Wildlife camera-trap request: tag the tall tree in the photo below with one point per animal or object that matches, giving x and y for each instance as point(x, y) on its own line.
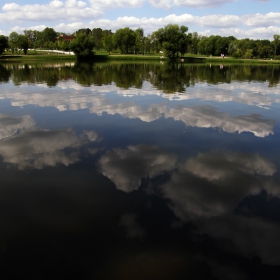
point(13, 39)
point(3, 43)
point(173, 39)
point(276, 42)
point(22, 43)
point(82, 45)
point(124, 39)
point(194, 40)
point(48, 36)
point(107, 37)
point(31, 37)
point(139, 40)
point(97, 35)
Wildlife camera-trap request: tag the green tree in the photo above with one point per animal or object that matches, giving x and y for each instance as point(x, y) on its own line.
point(201, 46)
point(22, 43)
point(139, 40)
point(107, 37)
point(276, 43)
point(86, 31)
point(194, 40)
point(3, 43)
point(124, 39)
point(13, 39)
point(173, 39)
point(97, 35)
point(38, 39)
point(48, 36)
point(31, 37)
point(82, 45)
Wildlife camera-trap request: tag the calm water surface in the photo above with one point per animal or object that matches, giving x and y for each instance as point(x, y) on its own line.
point(139, 171)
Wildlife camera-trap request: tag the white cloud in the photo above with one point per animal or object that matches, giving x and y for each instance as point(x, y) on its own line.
point(130, 110)
point(36, 148)
point(218, 21)
point(264, 20)
point(241, 33)
point(127, 167)
point(113, 4)
point(152, 24)
point(53, 11)
point(202, 3)
point(206, 116)
point(213, 184)
point(10, 125)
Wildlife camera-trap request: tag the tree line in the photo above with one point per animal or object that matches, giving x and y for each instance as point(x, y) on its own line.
point(172, 40)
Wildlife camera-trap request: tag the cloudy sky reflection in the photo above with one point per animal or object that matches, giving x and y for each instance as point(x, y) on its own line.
point(105, 179)
point(36, 148)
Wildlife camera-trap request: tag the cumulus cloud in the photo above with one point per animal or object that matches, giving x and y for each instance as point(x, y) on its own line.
point(213, 184)
point(201, 3)
point(113, 4)
point(217, 21)
point(80, 97)
point(36, 148)
point(73, 9)
point(166, 4)
point(199, 116)
point(254, 94)
point(52, 11)
point(10, 125)
point(151, 24)
point(241, 33)
point(207, 116)
point(127, 167)
point(264, 20)
point(130, 110)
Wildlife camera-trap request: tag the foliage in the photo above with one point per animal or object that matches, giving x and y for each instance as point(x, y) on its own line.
point(22, 43)
point(276, 43)
point(139, 40)
point(3, 43)
point(97, 35)
point(82, 45)
point(173, 39)
point(49, 35)
point(13, 41)
point(124, 39)
point(107, 38)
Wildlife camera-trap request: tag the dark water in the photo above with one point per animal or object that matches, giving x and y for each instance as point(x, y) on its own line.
point(139, 171)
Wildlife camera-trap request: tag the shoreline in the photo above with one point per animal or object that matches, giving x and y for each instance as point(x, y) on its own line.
point(128, 57)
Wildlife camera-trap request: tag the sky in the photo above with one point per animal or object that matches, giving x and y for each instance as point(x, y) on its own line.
point(255, 19)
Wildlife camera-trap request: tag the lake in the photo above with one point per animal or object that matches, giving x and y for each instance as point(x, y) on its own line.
point(139, 171)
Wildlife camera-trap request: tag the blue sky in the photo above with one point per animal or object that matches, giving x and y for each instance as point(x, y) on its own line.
point(256, 19)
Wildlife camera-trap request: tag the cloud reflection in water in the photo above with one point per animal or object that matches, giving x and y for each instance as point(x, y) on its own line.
point(36, 148)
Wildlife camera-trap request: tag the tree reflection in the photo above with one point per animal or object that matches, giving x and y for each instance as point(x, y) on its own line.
point(168, 77)
point(4, 74)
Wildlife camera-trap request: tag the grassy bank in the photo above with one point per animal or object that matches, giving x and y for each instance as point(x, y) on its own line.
point(230, 60)
point(44, 57)
point(103, 56)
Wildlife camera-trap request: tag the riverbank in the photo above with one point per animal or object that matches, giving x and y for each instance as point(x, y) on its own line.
point(52, 56)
